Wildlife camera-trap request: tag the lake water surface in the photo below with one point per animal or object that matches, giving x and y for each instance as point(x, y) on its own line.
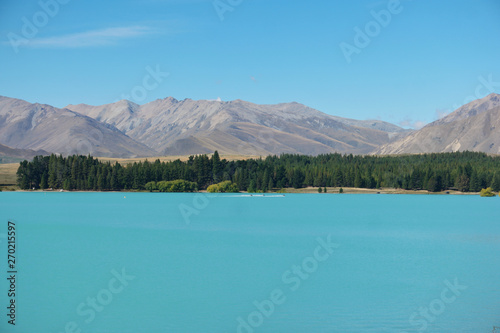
point(153, 262)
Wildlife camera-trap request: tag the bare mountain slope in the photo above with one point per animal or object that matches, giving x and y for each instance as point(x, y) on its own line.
point(474, 127)
point(472, 109)
point(38, 126)
point(238, 127)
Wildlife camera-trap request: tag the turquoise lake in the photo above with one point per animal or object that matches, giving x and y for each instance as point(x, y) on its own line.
point(154, 262)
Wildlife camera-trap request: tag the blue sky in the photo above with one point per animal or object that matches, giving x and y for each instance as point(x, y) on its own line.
point(420, 60)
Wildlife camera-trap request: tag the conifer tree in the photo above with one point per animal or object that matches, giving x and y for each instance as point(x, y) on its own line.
point(43, 182)
point(252, 187)
point(495, 183)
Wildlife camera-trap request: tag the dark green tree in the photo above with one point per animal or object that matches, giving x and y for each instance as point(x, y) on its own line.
point(217, 167)
point(475, 182)
point(252, 187)
point(358, 181)
point(43, 183)
point(67, 184)
point(495, 183)
point(297, 178)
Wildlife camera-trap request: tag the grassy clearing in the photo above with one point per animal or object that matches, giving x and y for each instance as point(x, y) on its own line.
point(125, 161)
point(8, 174)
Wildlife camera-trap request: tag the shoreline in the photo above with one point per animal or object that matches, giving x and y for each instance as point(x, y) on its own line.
point(306, 190)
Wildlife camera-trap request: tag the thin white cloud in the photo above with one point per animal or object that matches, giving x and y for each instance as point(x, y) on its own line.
point(441, 113)
point(102, 37)
point(418, 124)
point(415, 124)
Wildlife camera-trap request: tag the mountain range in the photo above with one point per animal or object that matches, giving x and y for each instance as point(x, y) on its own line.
point(180, 127)
point(173, 127)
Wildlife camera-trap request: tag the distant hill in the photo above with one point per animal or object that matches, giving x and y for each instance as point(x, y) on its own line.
point(474, 127)
point(11, 155)
point(42, 127)
point(174, 127)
